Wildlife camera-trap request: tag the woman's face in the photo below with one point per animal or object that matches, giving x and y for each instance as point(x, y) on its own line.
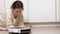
point(17, 11)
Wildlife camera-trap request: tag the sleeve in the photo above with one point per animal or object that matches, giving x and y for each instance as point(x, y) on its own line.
point(2, 21)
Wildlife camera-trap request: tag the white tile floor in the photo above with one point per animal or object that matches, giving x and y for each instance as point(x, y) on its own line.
point(41, 30)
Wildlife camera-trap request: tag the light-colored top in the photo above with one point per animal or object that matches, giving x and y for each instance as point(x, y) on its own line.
point(9, 20)
point(19, 21)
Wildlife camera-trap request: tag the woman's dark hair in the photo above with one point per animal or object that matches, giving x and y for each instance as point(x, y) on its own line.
point(17, 4)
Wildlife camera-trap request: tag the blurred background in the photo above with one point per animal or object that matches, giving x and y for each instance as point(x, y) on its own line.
point(42, 15)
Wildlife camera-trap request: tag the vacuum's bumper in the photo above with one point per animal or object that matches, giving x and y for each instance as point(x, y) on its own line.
point(24, 30)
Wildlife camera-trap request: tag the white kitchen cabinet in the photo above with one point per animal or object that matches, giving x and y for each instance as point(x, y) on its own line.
point(42, 11)
point(58, 10)
point(35, 10)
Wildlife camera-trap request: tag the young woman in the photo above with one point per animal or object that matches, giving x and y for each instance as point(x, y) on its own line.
point(17, 16)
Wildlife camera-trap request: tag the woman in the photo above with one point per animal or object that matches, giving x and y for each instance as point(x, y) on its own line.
point(17, 16)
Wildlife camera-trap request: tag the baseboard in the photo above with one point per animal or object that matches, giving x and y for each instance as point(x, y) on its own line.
point(43, 24)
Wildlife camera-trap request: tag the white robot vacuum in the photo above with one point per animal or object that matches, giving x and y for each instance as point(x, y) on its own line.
point(19, 30)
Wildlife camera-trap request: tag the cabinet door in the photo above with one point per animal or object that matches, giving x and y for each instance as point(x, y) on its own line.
point(42, 11)
point(58, 10)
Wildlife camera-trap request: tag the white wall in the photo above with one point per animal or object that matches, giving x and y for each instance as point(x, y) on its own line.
point(42, 11)
point(35, 11)
point(2, 12)
point(58, 10)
